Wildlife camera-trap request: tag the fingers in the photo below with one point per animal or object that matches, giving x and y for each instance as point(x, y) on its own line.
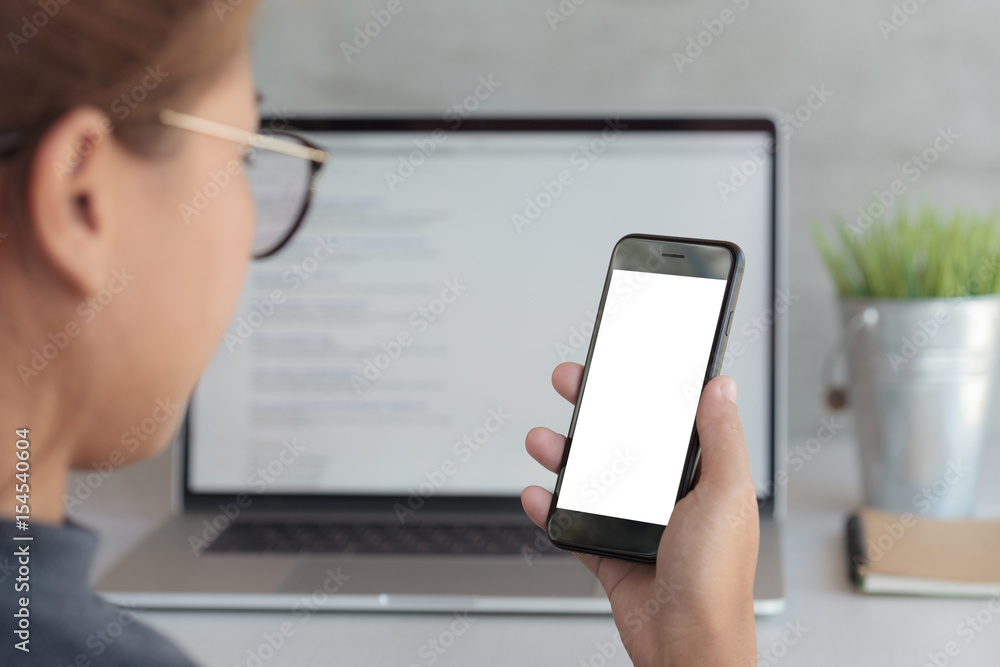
point(546, 446)
point(566, 379)
point(724, 461)
point(536, 502)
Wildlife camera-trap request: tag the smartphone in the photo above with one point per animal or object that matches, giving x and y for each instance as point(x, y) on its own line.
point(632, 447)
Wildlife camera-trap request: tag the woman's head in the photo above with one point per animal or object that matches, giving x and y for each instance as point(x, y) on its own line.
point(113, 297)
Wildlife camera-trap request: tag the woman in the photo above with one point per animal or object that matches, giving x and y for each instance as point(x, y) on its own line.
point(112, 298)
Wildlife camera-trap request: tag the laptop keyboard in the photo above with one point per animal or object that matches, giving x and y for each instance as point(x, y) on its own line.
point(381, 538)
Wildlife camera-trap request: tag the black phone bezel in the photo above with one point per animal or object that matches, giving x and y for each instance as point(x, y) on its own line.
point(626, 539)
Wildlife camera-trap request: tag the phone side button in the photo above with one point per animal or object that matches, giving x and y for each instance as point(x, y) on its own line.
point(730, 325)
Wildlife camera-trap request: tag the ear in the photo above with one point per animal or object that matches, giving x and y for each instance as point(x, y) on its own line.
point(68, 185)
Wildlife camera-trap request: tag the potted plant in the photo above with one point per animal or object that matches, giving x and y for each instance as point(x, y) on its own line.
point(920, 312)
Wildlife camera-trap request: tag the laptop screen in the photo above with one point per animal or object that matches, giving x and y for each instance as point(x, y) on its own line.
point(402, 344)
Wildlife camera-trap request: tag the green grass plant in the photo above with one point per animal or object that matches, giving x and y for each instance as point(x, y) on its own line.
point(926, 254)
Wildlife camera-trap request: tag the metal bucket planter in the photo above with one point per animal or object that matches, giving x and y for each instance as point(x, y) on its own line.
point(921, 379)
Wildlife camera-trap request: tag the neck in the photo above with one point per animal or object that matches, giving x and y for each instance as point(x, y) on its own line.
point(34, 474)
point(40, 404)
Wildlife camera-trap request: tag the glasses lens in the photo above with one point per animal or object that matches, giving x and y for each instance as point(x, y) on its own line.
point(280, 185)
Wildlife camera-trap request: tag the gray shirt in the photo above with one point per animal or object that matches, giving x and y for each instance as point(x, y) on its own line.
point(44, 587)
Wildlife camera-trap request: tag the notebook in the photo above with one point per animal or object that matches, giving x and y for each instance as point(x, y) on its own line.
point(909, 555)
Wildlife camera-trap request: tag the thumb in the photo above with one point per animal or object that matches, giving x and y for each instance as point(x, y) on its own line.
point(724, 461)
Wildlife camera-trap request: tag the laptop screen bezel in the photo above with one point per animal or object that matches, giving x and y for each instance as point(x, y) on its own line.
point(307, 502)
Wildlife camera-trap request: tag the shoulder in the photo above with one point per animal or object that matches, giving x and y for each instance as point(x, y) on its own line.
point(55, 616)
point(82, 629)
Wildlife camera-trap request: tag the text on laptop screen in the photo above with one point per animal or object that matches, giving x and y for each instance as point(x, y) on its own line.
point(403, 342)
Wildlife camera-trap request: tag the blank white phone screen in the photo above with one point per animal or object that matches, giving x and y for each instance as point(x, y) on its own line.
point(643, 385)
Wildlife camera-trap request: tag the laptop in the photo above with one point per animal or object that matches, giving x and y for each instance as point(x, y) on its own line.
point(357, 442)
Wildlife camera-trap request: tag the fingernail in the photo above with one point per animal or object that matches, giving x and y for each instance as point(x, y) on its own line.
point(728, 388)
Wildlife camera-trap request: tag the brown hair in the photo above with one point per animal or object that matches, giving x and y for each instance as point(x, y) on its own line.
point(127, 58)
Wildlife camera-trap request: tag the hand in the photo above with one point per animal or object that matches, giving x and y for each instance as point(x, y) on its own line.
point(695, 605)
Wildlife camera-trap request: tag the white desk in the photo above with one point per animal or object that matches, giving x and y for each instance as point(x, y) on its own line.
point(837, 626)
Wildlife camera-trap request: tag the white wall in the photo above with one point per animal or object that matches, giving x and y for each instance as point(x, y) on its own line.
point(890, 95)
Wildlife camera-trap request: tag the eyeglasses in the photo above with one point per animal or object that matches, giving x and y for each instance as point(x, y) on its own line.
point(281, 168)
point(282, 178)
